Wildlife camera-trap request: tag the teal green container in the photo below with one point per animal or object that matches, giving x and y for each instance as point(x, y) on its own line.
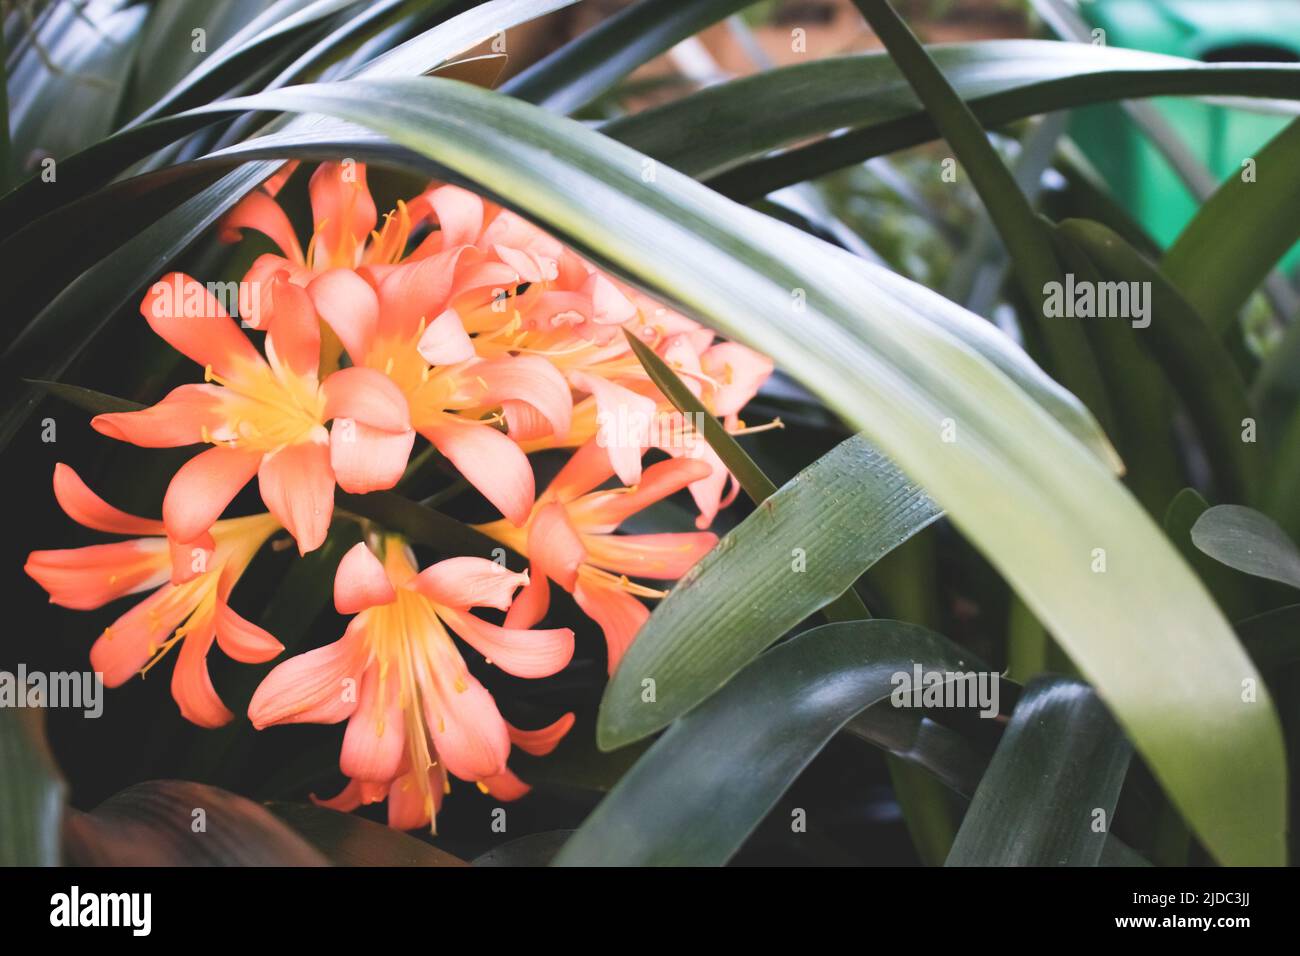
point(1210, 30)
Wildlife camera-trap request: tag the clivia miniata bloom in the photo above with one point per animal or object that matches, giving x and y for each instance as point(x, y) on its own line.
point(263, 417)
point(415, 713)
point(191, 587)
point(569, 539)
point(455, 320)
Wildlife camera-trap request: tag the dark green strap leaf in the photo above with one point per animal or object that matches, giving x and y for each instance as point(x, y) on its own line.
point(536, 849)
point(1240, 233)
point(582, 70)
point(800, 549)
point(711, 778)
point(346, 839)
point(179, 823)
point(1193, 358)
point(31, 788)
point(1049, 795)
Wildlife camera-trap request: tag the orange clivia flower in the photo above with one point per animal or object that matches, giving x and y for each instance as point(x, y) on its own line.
point(415, 713)
point(189, 605)
point(569, 539)
point(264, 417)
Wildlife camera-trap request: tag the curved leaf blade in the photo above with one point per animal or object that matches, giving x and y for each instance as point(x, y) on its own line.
point(1062, 759)
point(31, 791)
point(1238, 235)
point(583, 69)
point(346, 839)
point(705, 784)
point(834, 519)
point(154, 824)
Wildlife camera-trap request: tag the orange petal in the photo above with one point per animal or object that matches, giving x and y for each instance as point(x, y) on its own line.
point(241, 639)
point(506, 786)
point(524, 423)
point(623, 421)
point(191, 684)
point(604, 511)
point(368, 459)
point(361, 582)
point(347, 799)
point(182, 312)
point(373, 743)
point(342, 211)
point(259, 211)
point(349, 306)
point(469, 582)
point(530, 379)
point(179, 419)
point(618, 613)
point(297, 485)
point(407, 806)
point(444, 342)
point(542, 741)
point(530, 653)
point(414, 291)
point(609, 306)
point(318, 687)
point(489, 461)
point(467, 730)
point(127, 644)
point(189, 559)
point(739, 372)
point(460, 215)
point(588, 468)
point(554, 545)
point(531, 603)
point(293, 341)
point(366, 396)
point(90, 577)
point(203, 487)
point(661, 556)
point(88, 509)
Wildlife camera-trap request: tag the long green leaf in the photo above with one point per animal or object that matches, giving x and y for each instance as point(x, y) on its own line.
point(582, 70)
point(31, 790)
point(87, 399)
point(180, 823)
point(536, 849)
point(267, 34)
point(848, 606)
point(1002, 80)
point(68, 82)
point(1240, 233)
point(1023, 233)
point(1170, 670)
point(801, 549)
point(1048, 798)
point(349, 840)
point(706, 783)
point(1193, 358)
point(422, 525)
point(756, 484)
